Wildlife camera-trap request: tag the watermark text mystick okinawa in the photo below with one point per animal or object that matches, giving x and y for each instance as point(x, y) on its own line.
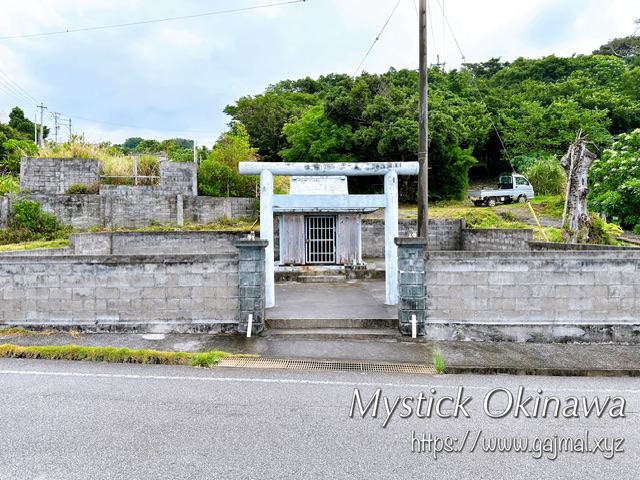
point(498, 402)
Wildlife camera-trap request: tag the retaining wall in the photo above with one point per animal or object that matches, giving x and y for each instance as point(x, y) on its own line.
point(145, 243)
point(534, 296)
point(131, 210)
point(444, 234)
point(56, 175)
point(163, 293)
point(492, 239)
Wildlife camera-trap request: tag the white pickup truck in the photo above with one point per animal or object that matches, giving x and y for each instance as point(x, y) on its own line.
point(511, 188)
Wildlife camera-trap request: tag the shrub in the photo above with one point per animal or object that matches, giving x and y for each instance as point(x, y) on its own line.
point(547, 176)
point(219, 180)
point(615, 182)
point(15, 150)
point(82, 189)
point(9, 184)
point(29, 215)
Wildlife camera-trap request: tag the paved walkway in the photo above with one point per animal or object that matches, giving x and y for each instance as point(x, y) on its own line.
point(357, 299)
point(460, 357)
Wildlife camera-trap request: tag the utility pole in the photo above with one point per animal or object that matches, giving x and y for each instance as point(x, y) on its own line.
point(40, 135)
point(423, 126)
point(56, 127)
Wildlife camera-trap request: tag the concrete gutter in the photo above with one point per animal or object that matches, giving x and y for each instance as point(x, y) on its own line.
point(485, 358)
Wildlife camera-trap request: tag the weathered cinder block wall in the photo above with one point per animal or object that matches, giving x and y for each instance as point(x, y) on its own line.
point(56, 175)
point(143, 293)
point(150, 243)
point(210, 209)
point(444, 234)
point(179, 178)
point(534, 296)
point(492, 239)
point(5, 204)
point(132, 211)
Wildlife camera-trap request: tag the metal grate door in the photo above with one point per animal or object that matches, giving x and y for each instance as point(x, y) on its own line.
point(320, 241)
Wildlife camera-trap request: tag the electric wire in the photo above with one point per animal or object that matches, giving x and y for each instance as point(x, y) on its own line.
point(14, 90)
point(159, 20)
point(101, 122)
point(376, 40)
point(475, 84)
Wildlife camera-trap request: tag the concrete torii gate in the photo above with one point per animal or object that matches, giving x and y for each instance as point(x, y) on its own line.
point(388, 201)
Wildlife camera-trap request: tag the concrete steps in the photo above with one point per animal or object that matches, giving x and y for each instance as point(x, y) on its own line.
point(332, 329)
point(317, 278)
point(377, 334)
point(328, 274)
point(305, 323)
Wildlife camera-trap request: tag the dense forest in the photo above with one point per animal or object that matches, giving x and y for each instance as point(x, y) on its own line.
point(484, 119)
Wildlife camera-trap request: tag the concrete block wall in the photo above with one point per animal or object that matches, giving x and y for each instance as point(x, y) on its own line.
point(179, 178)
point(444, 234)
point(5, 205)
point(492, 239)
point(56, 175)
point(149, 243)
point(141, 293)
point(534, 296)
point(210, 209)
point(252, 278)
point(132, 211)
point(412, 305)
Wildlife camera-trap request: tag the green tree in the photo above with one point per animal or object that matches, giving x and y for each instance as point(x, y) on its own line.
point(149, 146)
point(614, 180)
point(265, 115)
point(130, 144)
point(626, 48)
point(23, 125)
point(314, 138)
point(218, 175)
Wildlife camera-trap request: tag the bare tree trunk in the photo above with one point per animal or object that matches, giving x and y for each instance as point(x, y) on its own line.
point(576, 163)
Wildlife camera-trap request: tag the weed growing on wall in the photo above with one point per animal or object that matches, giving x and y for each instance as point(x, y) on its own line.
point(9, 184)
point(30, 223)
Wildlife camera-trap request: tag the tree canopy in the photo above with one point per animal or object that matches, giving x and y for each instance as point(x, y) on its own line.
point(482, 114)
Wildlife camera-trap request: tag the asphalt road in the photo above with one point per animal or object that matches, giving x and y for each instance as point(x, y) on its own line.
point(74, 420)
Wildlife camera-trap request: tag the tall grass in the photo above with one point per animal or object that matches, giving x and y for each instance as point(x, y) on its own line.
point(547, 176)
point(112, 162)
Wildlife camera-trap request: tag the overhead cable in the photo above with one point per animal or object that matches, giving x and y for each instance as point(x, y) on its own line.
point(144, 22)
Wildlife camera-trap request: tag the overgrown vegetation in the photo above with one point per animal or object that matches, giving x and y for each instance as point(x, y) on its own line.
point(31, 224)
point(82, 189)
point(615, 182)
point(112, 355)
point(544, 172)
point(9, 184)
point(218, 174)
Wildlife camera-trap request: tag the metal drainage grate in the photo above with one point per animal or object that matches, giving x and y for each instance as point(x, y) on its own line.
point(342, 366)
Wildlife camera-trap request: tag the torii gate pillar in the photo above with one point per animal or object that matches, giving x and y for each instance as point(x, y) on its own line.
point(388, 201)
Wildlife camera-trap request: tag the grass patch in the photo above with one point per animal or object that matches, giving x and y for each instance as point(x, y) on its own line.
point(438, 361)
point(112, 355)
point(548, 205)
point(22, 332)
point(59, 243)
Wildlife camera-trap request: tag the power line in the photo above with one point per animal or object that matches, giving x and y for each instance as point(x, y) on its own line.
point(4, 74)
point(145, 22)
point(475, 84)
point(102, 122)
point(377, 38)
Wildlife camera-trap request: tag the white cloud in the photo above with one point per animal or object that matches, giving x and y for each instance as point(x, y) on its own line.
point(176, 77)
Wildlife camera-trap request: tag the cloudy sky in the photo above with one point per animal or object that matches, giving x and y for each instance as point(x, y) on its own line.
point(172, 78)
